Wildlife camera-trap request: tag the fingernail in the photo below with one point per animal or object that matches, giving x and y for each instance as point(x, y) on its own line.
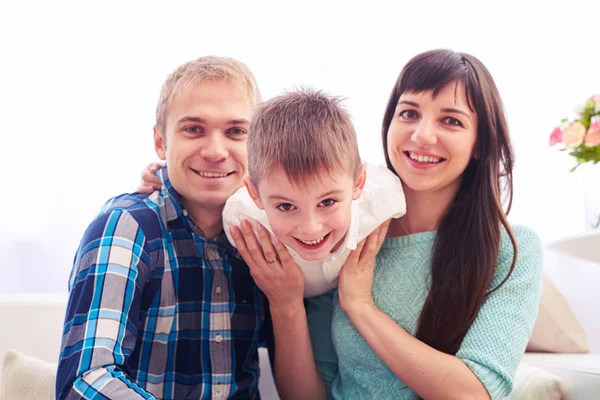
point(232, 230)
point(275, 240)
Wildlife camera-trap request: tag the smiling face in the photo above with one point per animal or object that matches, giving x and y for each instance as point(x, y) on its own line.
point(311, 218)
point(430, 141)
point(204, 142)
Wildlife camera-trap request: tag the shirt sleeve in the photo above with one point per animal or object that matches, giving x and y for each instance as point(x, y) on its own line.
point(320, 315)
point(495, 343)
point(103, 309)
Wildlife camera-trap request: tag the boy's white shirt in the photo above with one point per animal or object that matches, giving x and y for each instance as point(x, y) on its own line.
point(382, 198)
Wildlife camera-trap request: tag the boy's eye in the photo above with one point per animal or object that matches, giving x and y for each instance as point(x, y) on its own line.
point(452, 121)
point(409, 114)
point(285, 207)
point(328, 202)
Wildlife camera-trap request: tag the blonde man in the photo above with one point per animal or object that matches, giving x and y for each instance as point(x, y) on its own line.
point(161, 305)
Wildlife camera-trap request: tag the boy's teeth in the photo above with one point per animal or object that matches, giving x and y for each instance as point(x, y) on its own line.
point(423, 159)
point(312, 242)
point(212, 174)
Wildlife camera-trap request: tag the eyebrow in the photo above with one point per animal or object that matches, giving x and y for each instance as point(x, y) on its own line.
point(199, 120)
point(450, 110)
point(324, 195)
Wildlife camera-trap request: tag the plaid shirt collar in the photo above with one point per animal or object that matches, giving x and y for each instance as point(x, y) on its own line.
point(175, 209)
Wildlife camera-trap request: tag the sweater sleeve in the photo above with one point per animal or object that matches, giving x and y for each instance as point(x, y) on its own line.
point(495, 343)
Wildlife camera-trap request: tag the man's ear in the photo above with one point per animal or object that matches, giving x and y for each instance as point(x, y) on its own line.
point(159, 144)
point(253, 192)
point(359, 185)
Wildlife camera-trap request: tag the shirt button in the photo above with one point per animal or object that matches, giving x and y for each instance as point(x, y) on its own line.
point(218, 290)
point(218, 338)
point(185, 212)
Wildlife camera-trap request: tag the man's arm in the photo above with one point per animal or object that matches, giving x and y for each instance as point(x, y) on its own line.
point(100, 330)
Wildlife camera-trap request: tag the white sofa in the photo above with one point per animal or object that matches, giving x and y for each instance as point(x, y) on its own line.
point(32, 324)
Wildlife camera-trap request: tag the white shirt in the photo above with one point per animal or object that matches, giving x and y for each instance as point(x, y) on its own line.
point(382, 198)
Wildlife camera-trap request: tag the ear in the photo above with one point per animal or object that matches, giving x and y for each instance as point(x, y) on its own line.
point(359, 185)
point(159, 144)
point(476, 154)
point(253, 192)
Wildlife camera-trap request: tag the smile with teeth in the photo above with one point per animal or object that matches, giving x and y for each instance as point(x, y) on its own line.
point(423, 159)
point(312, 242)
point(206, 174)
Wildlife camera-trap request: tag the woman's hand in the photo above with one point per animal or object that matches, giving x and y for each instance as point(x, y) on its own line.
point(272, 268)
point(356, 277)
point(149, 181)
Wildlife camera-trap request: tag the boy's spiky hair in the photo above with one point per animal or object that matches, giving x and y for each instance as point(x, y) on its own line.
point(304, 133)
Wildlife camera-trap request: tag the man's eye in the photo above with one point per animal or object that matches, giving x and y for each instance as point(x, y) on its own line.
point(328, 202)
point(409, 114)
point(236, 131)
point(285, 207)
point(452, 121)
point(193, 129)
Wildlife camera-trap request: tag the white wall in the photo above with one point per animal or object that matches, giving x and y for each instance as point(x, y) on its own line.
point(79, 81)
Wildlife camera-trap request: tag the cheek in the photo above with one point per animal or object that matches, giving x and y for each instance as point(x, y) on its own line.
point(278, 223)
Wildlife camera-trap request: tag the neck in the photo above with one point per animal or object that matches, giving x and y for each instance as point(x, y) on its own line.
point(208, 219)
point(424, 211)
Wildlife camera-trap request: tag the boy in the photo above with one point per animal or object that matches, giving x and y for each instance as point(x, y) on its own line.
point(161, 305)
point(308, 187)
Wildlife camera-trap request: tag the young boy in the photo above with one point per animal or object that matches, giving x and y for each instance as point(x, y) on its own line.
point(308, 187)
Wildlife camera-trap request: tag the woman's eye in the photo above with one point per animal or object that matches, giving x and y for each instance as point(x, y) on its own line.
point(328, 202)
point(285, 207)
point(452, 121)
point(409, 114)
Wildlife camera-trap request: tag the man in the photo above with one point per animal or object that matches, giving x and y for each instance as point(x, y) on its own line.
point(161, 305)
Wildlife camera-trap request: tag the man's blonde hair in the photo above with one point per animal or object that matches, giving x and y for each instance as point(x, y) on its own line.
point(304, 132)
point(208, 68)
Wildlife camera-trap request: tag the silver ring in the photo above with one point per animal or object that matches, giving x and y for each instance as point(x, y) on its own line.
point(272, 261)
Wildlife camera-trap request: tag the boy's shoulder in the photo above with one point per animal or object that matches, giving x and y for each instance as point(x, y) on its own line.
point(381, 180)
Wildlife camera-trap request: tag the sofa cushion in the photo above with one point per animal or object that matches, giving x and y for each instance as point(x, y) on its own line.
point(556, 329)
point(534, 383)
point(27, 378)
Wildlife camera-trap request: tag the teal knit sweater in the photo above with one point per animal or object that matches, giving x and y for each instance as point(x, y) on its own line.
point(492, 348)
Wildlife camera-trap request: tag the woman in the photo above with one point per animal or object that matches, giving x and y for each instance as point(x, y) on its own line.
point(446, 307)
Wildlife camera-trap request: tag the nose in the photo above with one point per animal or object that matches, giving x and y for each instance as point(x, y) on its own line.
point(425, 134)
point(310, 224)
point(214, 149)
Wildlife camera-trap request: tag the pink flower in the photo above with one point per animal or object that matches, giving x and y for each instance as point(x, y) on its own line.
point(556, 136)
point(592, 138)
point(574, 134)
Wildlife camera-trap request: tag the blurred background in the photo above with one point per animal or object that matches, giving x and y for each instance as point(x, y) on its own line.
point(79, 82)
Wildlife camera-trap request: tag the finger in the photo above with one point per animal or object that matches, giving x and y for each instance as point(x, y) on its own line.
point(252, 244)
point(382, 234)
point(352, 259)
point(144, 189)
point(267, 247)
point(283, 255)
point(240, 244)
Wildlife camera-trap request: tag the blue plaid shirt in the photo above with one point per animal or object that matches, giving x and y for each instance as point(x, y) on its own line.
point(158, 311)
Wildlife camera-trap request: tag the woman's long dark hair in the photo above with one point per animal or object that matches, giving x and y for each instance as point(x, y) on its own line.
point(468, 239)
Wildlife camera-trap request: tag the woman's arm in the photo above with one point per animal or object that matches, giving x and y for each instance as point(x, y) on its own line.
point(427, 371)
point(282, 282)
point(493, 346)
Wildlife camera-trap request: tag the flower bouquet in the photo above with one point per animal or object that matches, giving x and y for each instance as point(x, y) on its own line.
point(581, 137)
